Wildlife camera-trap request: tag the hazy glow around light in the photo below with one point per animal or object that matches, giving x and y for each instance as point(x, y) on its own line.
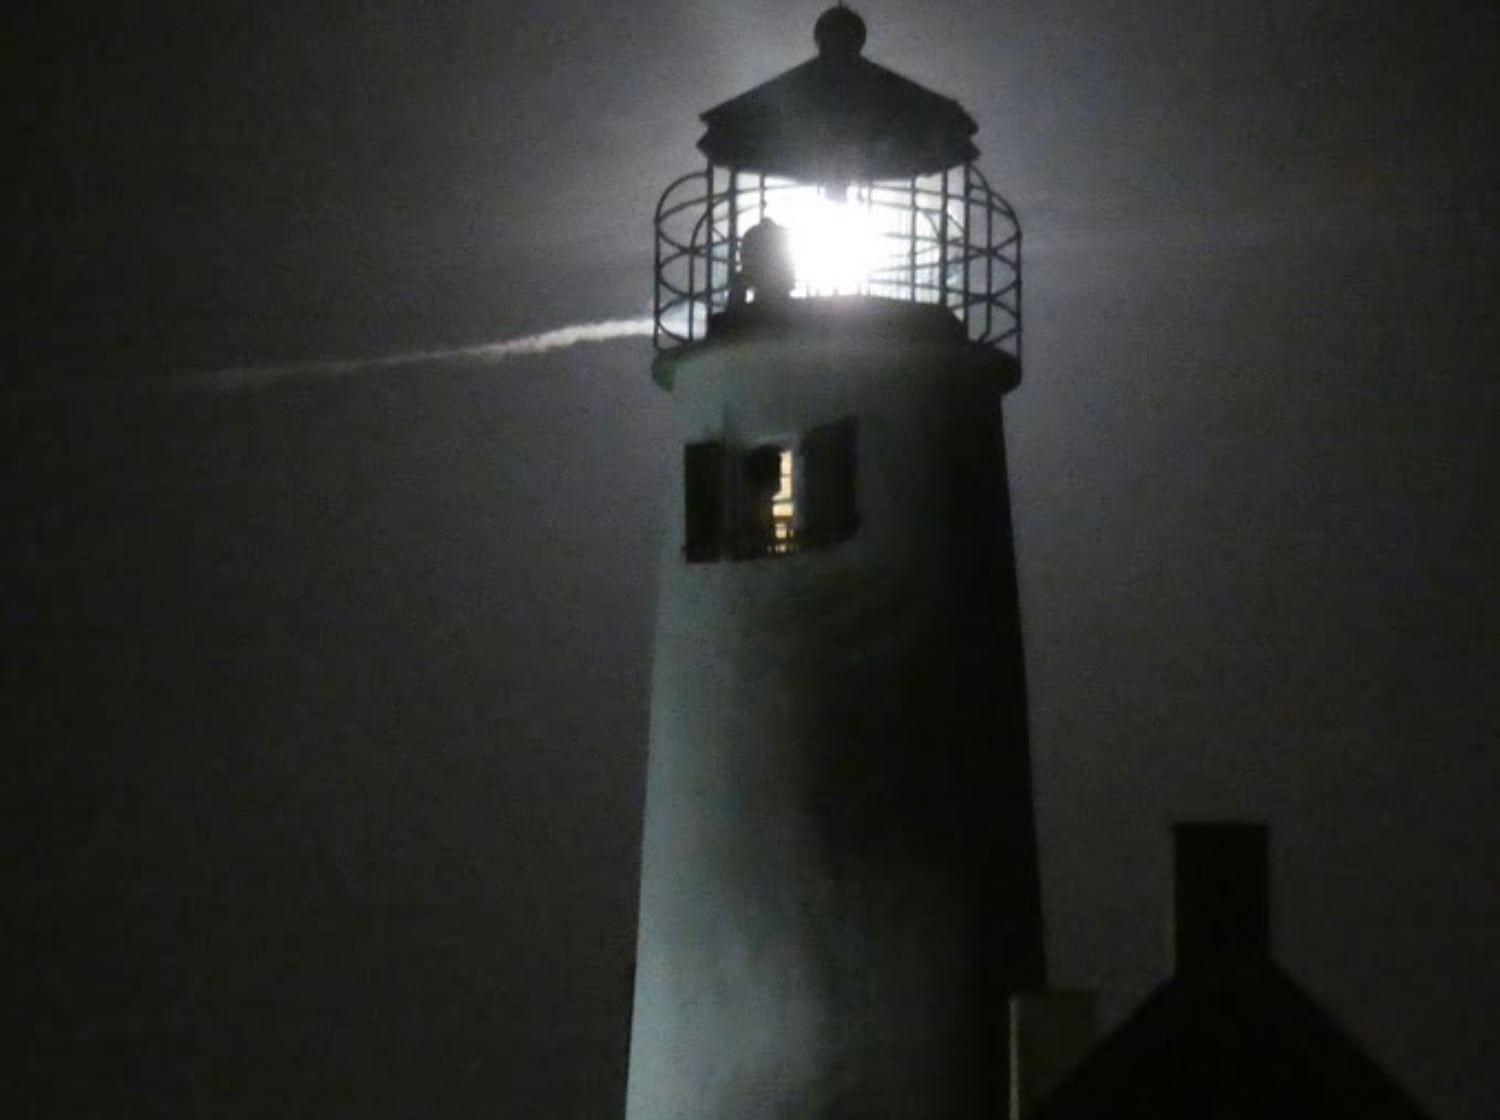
point(835, 244)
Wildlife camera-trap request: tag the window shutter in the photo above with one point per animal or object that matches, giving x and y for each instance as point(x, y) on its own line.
point(703, 500)
point(829, 513)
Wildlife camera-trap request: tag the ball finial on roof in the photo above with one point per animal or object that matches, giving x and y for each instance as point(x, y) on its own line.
point(839, 33)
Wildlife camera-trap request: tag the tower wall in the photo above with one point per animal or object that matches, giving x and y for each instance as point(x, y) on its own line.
point(839, 883)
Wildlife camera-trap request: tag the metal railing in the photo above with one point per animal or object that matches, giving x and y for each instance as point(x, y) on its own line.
point(947, 239)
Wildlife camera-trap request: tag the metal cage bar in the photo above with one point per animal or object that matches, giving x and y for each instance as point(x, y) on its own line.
point(938, 241)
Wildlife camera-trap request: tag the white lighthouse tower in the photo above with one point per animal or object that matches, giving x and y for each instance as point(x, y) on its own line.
point(839, 880)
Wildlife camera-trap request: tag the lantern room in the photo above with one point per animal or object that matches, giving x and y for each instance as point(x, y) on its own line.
point(837, 180)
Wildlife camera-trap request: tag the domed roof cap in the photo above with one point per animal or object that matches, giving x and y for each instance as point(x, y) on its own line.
point(839, 31)
point(839, 117)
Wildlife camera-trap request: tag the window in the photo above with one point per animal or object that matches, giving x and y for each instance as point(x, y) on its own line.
point(768, 503)
point(783, 503)
point(772, 499)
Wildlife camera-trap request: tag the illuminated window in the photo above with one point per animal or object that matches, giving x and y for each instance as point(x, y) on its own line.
point(770, 500)
point(783, 504)
point(767, 522)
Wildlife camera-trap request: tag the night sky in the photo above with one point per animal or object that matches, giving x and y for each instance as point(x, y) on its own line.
point(325, 699)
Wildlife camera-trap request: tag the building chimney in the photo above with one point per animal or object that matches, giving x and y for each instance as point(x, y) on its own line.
point(1050, 1032)
point(1222, 894)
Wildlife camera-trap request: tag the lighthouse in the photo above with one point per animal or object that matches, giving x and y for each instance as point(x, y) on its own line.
point(838, 876)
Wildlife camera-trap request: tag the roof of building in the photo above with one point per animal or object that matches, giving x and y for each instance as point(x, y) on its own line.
point(1230, 1036)
point(839, 117)
point(1233, 1040)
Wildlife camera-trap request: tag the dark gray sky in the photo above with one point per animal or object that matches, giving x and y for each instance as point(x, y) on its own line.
point(325, 702)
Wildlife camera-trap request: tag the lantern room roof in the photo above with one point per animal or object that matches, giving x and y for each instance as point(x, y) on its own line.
point(839, 116)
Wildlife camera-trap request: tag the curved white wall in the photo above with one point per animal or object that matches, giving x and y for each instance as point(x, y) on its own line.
point(839, 881)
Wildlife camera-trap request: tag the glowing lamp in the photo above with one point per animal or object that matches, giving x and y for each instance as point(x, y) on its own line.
point(838, 179)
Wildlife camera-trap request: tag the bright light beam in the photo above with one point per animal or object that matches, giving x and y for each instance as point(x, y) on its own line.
point(254, 377)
